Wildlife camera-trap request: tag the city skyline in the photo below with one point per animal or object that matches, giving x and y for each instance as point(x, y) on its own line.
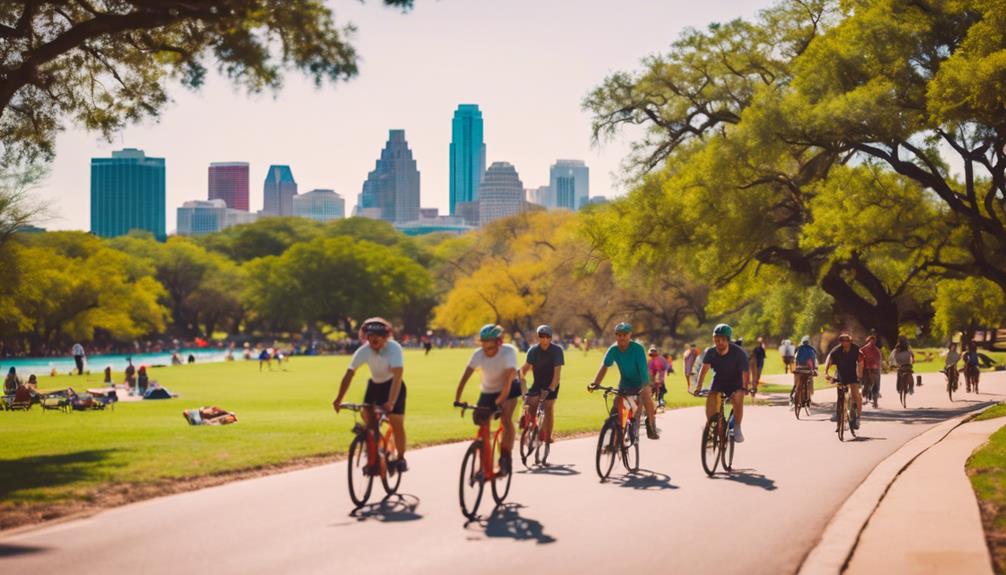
point(529, 93)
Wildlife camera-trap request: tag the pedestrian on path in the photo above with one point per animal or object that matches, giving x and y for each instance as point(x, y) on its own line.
point(78, 357)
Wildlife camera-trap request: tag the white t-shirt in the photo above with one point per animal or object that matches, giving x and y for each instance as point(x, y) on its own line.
point(379, 362)
point(494, 368)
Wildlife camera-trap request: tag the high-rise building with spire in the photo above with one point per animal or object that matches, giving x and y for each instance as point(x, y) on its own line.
point(501, 193)
point(391, 191)
point(278, 192)
point(468, 155)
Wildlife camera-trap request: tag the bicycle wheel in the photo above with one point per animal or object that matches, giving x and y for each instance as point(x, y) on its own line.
point(950, 389)
point(630, 446)
point(472, 480)
point(528, 440)
point(500, 483)
point(728, 447)
point(390, 477)
point(607, 449)
point(840, 409)
point(361, 481)
point(711, 445)
point(852, 417)
point(798, 399)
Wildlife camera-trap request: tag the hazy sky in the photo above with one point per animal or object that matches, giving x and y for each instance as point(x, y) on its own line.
point(526, 63)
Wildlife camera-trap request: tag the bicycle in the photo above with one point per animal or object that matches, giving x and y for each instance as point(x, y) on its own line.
point(905, 383)
point(801, 393)
point(971, 374)
point(480, 462)
point(718, 437)
point(532, 437)
point(370, 452)
point(620, 432)
point(845, 410)
point(953, 379)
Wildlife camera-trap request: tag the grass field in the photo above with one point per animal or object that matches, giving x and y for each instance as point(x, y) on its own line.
point(987, 470)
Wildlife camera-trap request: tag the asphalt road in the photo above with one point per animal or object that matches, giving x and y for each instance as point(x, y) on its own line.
point(789, 478)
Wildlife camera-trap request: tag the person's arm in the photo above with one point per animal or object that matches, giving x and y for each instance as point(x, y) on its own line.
point(555, 378)
point(461, 385)
point(702, 377)
point(827, 366)
point(522, 372)
point(600, 375)
point(343, 387)
point(505, 394)
point(396, 388)
point(859, 367)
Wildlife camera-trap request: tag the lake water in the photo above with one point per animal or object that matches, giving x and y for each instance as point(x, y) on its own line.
point(96, 363)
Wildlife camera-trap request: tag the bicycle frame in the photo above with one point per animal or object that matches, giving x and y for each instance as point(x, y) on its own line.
point(483, 436)
point(371, 432)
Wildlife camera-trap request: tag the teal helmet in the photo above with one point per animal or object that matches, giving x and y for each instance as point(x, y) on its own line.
point(724, 330)
point(490, 331)
point(623, 327)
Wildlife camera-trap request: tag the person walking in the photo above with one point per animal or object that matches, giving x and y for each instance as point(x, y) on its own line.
point(78, 357)
point(757, 363)
point(871, 369)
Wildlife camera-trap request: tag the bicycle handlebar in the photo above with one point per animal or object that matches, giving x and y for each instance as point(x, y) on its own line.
point(465, 406)
point(361, 406)
point(612, 390)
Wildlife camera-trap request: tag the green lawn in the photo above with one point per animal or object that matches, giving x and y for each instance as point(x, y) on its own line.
point(987, 469)
point(283, 416)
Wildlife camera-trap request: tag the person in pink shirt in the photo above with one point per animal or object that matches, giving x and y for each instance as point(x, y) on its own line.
point(658, 369)
point(871, 370)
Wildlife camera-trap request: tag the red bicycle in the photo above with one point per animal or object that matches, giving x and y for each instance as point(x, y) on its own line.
point(481, 462)
point(369, 453)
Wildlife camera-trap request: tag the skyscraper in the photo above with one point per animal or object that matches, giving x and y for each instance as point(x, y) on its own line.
point(199, 217)
point(570, 183)
point(278, 192)
point(393, 186)
point(321, 205)
point(468, 155)
point(228, 181)
point(127, 193)
point(501, 193)
point(542, 196)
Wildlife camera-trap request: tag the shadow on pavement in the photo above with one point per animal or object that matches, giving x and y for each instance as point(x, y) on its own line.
point(15, 550)
point(52, 470)
point(391, 509)
point(748, 477)
point(561, 469)
point(921, 415)
point(644, 480)
point(506, 521)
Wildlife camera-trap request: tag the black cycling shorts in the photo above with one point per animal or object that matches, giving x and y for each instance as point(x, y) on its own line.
point(377, 393)
point(536, 390)
point(727, 389)
point(489, 399)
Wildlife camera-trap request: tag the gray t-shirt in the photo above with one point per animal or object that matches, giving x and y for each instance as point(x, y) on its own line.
point(379, 362)
point(494, 368)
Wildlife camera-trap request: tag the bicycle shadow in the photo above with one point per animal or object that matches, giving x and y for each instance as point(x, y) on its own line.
point(558, 469)
point(748, 477)
point(392, 509)
point(644, 480)
point(505, 521)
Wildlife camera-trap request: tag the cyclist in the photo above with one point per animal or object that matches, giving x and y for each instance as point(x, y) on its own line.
point(499, 386)
point(385, 387)
point(950, 365)
point(545, 359)
point(806, 364)
point(903, 358)
point(658, 372)
point(871, 369)
point(731, 375)
point(631, 359)
point(848, 359)
point(971, 362)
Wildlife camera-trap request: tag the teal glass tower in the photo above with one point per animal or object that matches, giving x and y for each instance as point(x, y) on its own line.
point(127, 193)
point(468, 155)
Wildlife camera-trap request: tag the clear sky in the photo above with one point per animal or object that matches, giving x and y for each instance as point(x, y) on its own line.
point(526, 63)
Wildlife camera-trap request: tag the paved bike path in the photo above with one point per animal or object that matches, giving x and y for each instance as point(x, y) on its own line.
point(790, 478)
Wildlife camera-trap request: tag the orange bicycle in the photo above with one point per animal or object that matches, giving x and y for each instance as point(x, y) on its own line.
point(481, 462)
point(620, 432)
point(369, 453)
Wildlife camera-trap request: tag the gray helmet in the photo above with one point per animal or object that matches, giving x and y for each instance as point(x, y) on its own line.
point(544, 329)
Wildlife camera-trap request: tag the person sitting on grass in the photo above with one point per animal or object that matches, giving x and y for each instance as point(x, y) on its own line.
point(108, 375)
point(130, 376)
point(264, 357)
point(11, 382)
point(142, 380)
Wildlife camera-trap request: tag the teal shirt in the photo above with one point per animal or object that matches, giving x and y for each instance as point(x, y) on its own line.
point(631, 365)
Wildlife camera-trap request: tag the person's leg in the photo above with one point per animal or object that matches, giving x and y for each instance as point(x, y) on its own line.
point(710, 406)
point(857, 397)
point(738, 400)
point(531, 407)
point(506, 420)
point(398, 425)
point(549, 419)
point(651, 409)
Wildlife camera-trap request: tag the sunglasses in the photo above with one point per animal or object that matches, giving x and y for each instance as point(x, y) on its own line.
point(545, 335)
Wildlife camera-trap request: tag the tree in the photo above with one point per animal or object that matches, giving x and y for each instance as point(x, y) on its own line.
point(104, 63)
point(965, 305)
point(267, 237)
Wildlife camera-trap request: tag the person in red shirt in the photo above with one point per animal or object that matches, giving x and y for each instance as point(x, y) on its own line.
point(871, 370)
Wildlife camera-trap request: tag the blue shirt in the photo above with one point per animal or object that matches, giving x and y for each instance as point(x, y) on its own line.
point(804, 353)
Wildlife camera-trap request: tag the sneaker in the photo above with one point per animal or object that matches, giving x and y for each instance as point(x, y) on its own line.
point(738, 436)
point(401, 465)
point(504, 465)
point(651, 430)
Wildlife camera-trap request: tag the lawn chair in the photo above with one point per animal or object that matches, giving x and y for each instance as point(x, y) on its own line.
point(56, 400)
point(22, 399)
point(105, 396)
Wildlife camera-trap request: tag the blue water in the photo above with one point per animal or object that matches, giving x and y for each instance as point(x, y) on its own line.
point(96, 363)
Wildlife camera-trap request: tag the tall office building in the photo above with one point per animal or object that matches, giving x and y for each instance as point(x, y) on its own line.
point(570, 183)
point(228, 181)
point(392, 188)
point(127, 193)
point(321, 205)
point(501, 193)
point(278, 192)
point(468, 155)
point(542, 196)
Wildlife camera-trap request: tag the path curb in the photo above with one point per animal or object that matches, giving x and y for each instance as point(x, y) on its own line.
point(838, 542)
